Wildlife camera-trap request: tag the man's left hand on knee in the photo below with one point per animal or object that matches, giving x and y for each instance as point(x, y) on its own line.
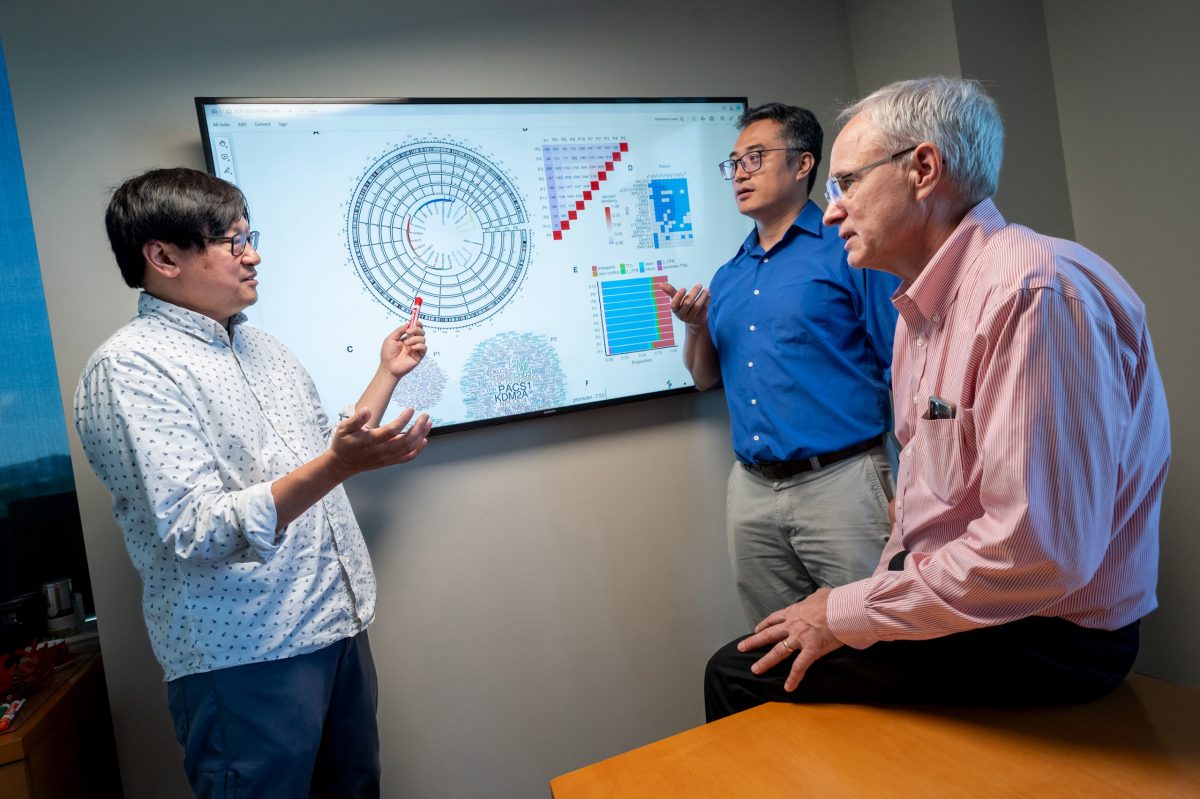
point(801, 629)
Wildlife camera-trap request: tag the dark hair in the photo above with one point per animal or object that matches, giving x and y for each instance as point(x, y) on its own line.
point(801, 130)
point(179, 206)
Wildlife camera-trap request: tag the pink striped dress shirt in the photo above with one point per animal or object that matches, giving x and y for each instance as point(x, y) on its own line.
point(1041, 496)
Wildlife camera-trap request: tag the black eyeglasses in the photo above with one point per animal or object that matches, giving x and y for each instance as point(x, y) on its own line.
point(238, 241)
point(751, 161)
point(837, 185)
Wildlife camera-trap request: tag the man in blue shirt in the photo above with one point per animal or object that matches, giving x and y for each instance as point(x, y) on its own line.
point(801, 342)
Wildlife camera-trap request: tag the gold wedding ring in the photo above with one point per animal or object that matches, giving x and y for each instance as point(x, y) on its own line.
point(787, 646)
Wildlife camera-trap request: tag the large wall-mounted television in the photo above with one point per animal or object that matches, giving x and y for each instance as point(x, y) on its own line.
point(537, 233)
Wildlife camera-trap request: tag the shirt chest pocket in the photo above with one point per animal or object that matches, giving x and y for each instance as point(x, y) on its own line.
point(947, 449)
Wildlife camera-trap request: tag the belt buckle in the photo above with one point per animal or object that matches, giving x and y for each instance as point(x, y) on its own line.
point(778, 471)
point(761, 469)
point(773, 471)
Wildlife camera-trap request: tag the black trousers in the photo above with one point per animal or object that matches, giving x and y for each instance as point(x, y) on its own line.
point(1034, 661)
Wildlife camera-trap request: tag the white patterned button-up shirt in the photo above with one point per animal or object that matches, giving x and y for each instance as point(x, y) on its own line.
point(187, 425)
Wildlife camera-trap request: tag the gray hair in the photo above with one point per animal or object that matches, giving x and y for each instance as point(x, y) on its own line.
point(955, 114)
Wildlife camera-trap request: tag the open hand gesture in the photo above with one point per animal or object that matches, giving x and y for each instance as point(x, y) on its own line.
point(357, 448)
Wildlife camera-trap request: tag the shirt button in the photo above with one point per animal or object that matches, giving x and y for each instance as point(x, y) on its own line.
point(756, 438)
point(751, 327)
point(899, 504)
point(916, 399)
point(756, 292)
point(750, 364)
point(937, 320)
point(753, 402)
point(921, 342)
point(766, 260)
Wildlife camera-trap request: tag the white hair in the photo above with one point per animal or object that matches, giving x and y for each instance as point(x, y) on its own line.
point(956, 115)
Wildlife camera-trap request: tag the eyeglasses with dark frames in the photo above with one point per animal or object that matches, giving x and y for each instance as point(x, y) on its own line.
point(838, 185)
point(238, 241)
point(751, 161)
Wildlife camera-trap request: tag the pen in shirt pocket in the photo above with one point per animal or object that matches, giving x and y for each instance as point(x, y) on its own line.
point(939, 408)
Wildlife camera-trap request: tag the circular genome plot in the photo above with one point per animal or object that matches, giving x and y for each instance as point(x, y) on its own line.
point(439, 221)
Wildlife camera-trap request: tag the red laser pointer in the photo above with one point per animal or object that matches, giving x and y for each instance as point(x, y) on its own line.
point(412, 320)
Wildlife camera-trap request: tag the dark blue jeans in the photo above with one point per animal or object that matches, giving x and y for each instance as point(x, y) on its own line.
point(299, 727)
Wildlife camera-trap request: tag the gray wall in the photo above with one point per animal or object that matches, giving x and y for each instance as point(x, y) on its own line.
point(1004, 45)
point(892, 40)
point(546, 600)
point(999, 43)
point(1125, 78)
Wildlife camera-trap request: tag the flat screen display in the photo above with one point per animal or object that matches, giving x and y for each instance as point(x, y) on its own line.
point(536, 233)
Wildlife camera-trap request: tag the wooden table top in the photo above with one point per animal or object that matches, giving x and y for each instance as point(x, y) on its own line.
point(1143, 740)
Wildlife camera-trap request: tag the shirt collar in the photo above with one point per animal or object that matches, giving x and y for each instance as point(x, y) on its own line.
point(934, 290)
point(190, 322)
point(808, 221)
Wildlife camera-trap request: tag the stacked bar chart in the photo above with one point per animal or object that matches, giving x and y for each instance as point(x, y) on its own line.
point(574, 172)
point(635, 315)
point(672, 212)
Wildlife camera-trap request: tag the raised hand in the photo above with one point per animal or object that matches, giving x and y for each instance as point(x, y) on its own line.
point(690, 307)
point(403, 349)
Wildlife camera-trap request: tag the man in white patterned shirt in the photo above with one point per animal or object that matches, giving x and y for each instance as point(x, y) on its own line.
point(1035, 436)
point(226, 482)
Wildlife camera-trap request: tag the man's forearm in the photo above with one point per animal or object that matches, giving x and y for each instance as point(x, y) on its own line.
point(377, 395)
point(299, 490)
point(700, 357)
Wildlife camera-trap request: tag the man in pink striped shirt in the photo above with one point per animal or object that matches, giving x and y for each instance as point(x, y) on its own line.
point(1034, 433)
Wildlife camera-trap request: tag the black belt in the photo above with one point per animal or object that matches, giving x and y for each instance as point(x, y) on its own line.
point(781, 470)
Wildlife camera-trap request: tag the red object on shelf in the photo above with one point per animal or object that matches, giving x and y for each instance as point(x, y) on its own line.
point(24, 671)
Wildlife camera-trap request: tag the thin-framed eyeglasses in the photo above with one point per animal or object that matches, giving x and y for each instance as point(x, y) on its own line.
point(838, 185)
point(238, 241)
point(751, 161)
